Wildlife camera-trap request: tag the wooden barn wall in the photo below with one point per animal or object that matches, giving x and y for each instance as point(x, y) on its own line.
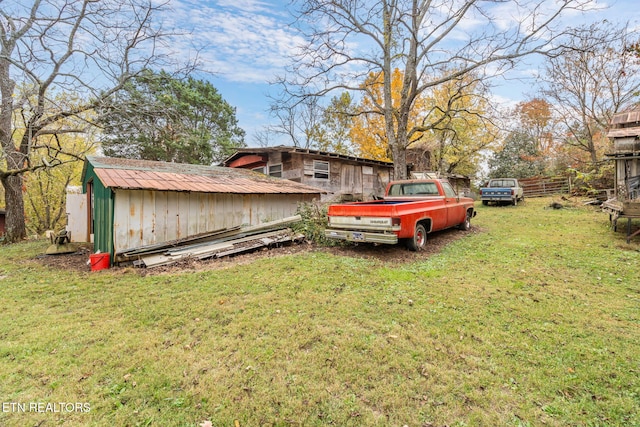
point(352, 178)
point(143, 217)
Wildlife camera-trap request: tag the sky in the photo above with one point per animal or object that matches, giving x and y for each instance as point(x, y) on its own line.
point(246, 44)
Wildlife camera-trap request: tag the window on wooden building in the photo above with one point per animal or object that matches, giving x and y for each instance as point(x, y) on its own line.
point(275, 170)
point(320, 169)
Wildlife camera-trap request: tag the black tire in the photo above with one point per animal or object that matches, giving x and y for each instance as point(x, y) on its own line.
point(466, 225)
point(419, 240)
point(485, 202)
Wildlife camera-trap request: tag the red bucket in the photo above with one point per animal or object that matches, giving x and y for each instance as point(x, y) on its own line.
point(99, 261)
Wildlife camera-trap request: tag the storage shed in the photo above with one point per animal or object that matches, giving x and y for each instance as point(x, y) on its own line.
point(625, 133)
point(133, 203)
point(339, 176)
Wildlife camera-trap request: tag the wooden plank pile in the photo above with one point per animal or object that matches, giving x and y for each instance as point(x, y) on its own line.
point(216, 244)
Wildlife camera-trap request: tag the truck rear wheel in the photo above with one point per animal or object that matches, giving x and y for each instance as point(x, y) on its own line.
point(419, 240)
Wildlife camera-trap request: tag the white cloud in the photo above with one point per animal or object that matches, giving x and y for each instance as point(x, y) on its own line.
point(240, 40)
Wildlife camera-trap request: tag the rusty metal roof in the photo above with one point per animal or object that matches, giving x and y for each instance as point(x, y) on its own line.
point(149, 175)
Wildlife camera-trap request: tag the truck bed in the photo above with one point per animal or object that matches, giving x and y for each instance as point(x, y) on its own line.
point(378, 206)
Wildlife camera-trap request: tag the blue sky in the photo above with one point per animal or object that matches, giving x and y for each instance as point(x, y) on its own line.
point(247, 43)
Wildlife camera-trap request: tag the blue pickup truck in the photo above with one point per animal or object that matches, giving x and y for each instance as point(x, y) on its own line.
point(502, 191)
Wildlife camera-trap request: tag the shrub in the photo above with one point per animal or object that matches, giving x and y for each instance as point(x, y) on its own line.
point(314, 222)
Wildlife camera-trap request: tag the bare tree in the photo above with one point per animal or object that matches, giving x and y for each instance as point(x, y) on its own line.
point(47, 48)
point(596, 78)
point(432, 42)
point(298, 122)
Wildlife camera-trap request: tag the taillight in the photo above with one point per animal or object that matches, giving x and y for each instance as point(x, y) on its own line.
point(513, 191)
point(395, 222)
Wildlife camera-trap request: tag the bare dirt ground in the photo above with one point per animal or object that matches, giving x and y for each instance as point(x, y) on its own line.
point(387, 254)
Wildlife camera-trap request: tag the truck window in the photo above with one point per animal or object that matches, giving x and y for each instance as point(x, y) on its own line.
point(416, 188)
point(497, 183)
point(395, 190)
point(448, 190)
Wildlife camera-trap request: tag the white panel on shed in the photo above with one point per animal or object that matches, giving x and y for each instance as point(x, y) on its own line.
point(161, 220)
point(77, 216)
point(124, 227)
point(134, 224)
point(183, 213)
point(148, 217)
point(173, 216)
point(203, 208)
point(143, 217)
point(193, 212)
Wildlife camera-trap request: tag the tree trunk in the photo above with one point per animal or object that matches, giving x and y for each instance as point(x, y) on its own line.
point(15, 229)
point(399, 159)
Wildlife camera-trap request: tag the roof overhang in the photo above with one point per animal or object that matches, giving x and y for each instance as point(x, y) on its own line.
point(622, 156)
point(264, 152)
point(248, 161)
point(624, 132)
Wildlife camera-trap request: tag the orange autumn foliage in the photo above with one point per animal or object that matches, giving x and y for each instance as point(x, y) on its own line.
point(368, 131)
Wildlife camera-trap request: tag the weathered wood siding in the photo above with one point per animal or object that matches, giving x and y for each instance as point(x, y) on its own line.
point(143, 217)
point(345, 177)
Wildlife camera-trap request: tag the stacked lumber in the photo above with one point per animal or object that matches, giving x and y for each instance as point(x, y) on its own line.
point(215, 244)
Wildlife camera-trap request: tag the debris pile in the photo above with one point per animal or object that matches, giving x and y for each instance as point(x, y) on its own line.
point(216, 244)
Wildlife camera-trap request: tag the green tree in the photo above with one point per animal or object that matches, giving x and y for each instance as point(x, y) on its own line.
point(462, 130)
point(335, 124)
point(160, 117)
point(519, 157)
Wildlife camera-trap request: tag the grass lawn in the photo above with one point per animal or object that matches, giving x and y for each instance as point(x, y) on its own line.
point(531, 319)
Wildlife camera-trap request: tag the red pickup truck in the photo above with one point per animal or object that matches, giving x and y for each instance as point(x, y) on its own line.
point(409, 211)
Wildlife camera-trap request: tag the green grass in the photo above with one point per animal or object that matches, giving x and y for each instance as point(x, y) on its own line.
point(534, 320)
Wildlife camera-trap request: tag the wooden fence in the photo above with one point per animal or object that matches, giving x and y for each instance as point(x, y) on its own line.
point(545, 186)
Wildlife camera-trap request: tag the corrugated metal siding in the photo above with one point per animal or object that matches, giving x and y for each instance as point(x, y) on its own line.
point(143, 217)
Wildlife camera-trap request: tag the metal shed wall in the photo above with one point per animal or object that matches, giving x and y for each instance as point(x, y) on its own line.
point(144, 217)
